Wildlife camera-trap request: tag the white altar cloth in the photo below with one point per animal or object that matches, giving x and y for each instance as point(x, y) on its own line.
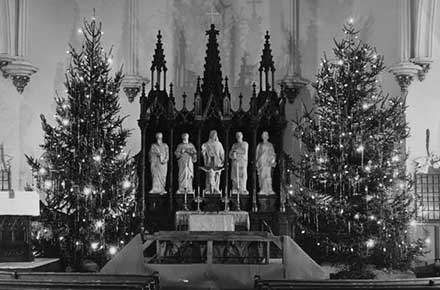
point(25, 203)
point(212, 221)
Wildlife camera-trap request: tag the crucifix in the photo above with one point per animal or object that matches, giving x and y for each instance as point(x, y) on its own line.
point(212, 14)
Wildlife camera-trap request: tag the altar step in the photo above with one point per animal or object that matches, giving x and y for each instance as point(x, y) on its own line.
point(37, 265)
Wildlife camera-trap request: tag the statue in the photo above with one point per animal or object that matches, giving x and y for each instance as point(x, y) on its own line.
point(239, 157)
point(158, 164)
point(186, 155)
point(213, 158)
point(265, 160)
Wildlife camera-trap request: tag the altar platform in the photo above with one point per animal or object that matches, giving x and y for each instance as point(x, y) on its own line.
point(37, 265)
point(214, 260)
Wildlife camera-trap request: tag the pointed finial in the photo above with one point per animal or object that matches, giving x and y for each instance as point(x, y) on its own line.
point(159, 61)
point(171, 89)
point(226, 85)
point(184, 101)
point(198, 84)
point(143, 89)
point(267, 62)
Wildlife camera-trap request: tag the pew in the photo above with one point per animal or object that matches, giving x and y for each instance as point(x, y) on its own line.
point(413, 284)
point(64, 281)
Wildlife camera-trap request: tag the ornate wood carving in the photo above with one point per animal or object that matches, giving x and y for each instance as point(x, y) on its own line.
point(212, 111)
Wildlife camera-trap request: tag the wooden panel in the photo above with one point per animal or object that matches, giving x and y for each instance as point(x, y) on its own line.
point(209, 252)
point(23, 280)
point(213, 236)
point(420, 283)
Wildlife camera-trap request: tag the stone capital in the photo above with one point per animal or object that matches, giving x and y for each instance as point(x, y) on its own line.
point(425, 65)
point(405, 73)
point(132, 86)
point(20, 71)
point(292, 84)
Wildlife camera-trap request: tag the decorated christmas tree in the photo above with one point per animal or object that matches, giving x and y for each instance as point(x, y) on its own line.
point(353, 201)
point(87, 178)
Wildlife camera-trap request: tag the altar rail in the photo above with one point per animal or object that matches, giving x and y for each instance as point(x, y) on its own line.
point(413, 284)
point(62, 281)
point(179, 247)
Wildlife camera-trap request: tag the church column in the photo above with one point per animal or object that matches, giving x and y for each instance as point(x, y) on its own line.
point(143, 185)
point(7, 16)
point(423, 31)
point(253, 168)
point(227, 127)
point(293, 81)
point(281, 169)
point(404, 70)
point(133, 80)
point(19, 69)
point(171, 167)
point(199, 156)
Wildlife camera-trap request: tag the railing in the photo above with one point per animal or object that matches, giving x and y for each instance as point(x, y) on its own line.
point(211, 248)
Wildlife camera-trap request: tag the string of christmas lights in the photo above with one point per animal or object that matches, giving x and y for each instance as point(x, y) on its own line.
point(354, 203)
point(88, 179)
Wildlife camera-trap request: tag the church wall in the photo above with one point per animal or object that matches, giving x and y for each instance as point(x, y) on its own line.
point(10, 120)
point(55, 23)
point(423, 106)
point(322, 21)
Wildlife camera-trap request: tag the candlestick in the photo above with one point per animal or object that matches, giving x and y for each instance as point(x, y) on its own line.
point(185, 201)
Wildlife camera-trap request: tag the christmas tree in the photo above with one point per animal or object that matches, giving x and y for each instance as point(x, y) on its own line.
point(88, 180)
point(353, 201)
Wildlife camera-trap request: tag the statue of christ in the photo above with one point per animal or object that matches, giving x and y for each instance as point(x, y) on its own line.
point(213, 158)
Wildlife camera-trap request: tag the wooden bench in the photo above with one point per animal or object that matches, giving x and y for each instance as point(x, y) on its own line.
point(413, 284)
point(63, 281)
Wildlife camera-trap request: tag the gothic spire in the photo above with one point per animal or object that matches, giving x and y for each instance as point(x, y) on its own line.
point(159, 63)
point(212, 76)
point(266, 62)
point(266, 65)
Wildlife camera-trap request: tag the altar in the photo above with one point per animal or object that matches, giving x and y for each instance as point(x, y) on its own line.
point(207, 165)
point(212, 221)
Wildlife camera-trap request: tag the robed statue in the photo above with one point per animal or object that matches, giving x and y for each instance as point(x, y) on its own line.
point(159, 156)
point(213, 159)
point(265, 160)
point(239, 162)
point(186, 155)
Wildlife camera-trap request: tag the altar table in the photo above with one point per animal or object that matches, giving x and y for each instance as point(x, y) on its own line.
point(212, 221)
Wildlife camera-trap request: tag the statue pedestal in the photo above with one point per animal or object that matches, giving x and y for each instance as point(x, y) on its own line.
point(157, 213)
point(267, 203)
point(244, 202)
